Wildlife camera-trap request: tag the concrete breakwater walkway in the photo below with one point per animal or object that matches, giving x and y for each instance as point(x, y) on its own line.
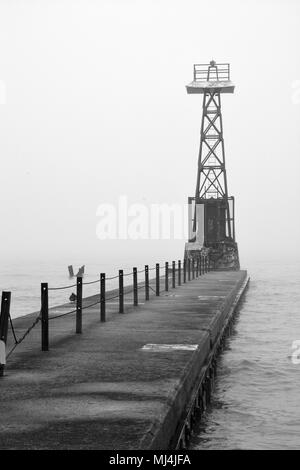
point(123, 384)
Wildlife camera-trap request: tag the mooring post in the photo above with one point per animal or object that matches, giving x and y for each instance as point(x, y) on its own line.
point(157, 279)
point(197, 266)
point(146, 282)
point(4, 317)
point(179, 272)
point(193, 268)
point(200, 265)
point(79, 305)
point(184, 270)
point(189, 269)
point(135, 287)
point(173, 274)
point(70, 269)
point(166, 276)
point(45, 316)
point(121, 291)
point(102, 298)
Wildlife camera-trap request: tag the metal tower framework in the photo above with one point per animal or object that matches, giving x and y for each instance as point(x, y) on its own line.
point(212, 80)
point(211, 177)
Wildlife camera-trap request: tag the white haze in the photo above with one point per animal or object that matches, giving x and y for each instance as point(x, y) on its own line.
point(96, 107)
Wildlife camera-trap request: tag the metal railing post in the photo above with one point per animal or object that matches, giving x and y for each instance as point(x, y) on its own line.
point(146, 282)
point(4, 317)
point(121, 291)
point(102, 298)
point(184, 270)
point(79, 305)
point(166, 276)
point(179, 272)
point(157, 279)
point(45, 316)
point(173, 274)
point(189, 269)
point(193, 267)
point(135, 289)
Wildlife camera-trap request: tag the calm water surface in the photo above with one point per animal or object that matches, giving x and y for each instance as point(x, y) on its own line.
point(256, 400)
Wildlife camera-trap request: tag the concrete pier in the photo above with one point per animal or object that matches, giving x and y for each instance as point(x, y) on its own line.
point(128, 383)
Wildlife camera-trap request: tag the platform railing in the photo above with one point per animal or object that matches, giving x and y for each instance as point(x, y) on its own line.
point(175, 274)
point(220, 72)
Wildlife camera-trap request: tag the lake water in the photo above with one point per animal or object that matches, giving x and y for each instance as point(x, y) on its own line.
point(255, 404)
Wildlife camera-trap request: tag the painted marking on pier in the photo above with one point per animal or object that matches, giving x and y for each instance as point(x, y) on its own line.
point(169, 347)
point(208, 297)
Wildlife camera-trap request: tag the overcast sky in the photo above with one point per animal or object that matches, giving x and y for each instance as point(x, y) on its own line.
point(95, 107)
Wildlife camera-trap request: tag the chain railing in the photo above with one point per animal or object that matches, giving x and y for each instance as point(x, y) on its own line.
point(174, 275)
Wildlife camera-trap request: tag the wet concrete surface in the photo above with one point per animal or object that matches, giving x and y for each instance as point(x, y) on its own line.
point(101, 389)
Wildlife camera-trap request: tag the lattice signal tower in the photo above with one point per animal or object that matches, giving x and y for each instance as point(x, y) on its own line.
point(217, 225)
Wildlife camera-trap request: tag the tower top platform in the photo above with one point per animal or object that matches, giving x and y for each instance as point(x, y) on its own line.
point(211, 77)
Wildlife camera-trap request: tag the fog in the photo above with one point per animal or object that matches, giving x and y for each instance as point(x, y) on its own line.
point(94, 107)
